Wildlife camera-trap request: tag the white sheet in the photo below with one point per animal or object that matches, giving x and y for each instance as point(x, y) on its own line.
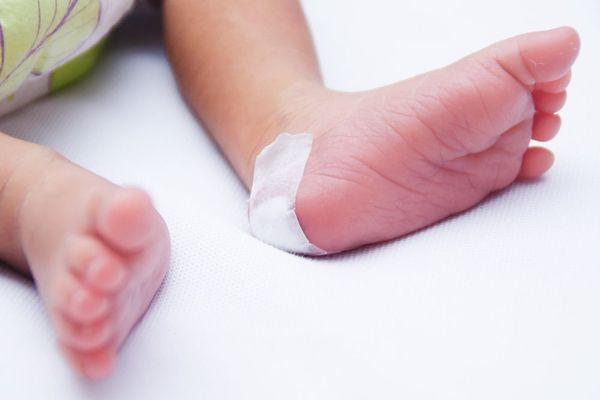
point(498, 303)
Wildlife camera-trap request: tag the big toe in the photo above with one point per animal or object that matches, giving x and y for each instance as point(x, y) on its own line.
point(127, 219)
point(539, 56)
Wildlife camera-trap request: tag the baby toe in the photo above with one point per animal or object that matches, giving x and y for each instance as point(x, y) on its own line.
point(106, 273)
point(98, 365)
point(83, 337)
point(95, 365)
point(545, 126)
point(549, 102)
point(95, 264)
point(127, 220)
point(79, 301)
point(539, 56)
point(79, 250)
point(536, 161)
point(556, 86)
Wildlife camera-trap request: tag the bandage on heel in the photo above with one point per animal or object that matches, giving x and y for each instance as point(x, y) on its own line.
point(278, 171)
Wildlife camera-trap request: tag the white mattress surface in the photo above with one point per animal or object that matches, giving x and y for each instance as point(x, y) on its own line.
point(500, 302)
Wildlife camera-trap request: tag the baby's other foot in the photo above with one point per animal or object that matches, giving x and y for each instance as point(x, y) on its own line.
point(98, 254)
point(393, 160)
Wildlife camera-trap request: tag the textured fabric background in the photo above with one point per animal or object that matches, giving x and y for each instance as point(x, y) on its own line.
point(498, 303)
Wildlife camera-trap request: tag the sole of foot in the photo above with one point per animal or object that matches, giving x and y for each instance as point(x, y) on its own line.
point(98, 254)
point(396, 159)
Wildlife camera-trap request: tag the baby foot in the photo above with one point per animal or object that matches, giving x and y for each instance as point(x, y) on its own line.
point(98, 254)
point(393, 160)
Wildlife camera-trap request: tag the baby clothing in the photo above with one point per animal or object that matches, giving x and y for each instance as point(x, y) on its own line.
point(46, 44)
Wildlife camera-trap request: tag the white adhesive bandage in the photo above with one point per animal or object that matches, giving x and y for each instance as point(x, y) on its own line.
point(277, 174)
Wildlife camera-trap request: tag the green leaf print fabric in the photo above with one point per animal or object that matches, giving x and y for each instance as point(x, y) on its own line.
point(38, 37)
